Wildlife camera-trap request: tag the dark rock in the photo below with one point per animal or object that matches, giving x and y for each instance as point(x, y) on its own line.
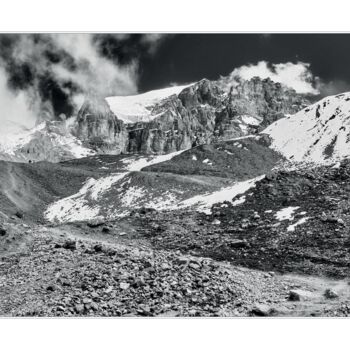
point(2, 231)
point(330, 294)
point(98, 248)
point(19, 214)
point(300, 295)
point(238, 243)
point(95, 223)
point(70, 244)
point(260, 310)
point(51, 288)
point(181, 260)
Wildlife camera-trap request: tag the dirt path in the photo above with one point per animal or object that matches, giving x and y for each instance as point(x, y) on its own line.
point(317, 304)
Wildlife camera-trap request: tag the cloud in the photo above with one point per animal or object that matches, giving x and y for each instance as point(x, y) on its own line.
point(14, 108)
point(332, 87)
point(49, 74)
point(93, 72)
point(153, 40)
point(293, 75)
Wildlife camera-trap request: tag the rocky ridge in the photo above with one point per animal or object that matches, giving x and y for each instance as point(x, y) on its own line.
point(200, 113)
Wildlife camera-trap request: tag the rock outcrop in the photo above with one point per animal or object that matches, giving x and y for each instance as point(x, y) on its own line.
point(99, 128)
point(201, 113)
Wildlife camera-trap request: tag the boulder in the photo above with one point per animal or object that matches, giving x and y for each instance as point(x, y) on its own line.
point(2, 231)
point(260, 310)
point(300, 295)
point(330, 294)
point(70, 244)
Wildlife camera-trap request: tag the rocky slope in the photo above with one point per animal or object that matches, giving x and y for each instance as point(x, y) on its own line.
point(290, 221)
point(27, 189)
point(51, 141)
point(195, 178)
point(234, 261)
point(83, 273)
point(319, 133)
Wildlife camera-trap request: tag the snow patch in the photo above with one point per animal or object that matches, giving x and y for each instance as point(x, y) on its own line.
point(286, 213)
point(250, 120)
point(205, 201)
point(58, 137)
point(239, 201)
point(138, 164)
point(139, 108)
point(78, 206)
point(291, 228)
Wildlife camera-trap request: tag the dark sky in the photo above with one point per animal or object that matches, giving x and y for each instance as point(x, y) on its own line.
point(189, 57)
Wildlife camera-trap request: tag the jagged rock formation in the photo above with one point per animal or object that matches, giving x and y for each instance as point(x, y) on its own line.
point(158, 122)
point(184, 120)
point(261, 99)
point(200, 113)
point(99, 128)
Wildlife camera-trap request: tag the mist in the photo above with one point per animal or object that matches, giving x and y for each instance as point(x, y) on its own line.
point(43, 76)
point(15, 112)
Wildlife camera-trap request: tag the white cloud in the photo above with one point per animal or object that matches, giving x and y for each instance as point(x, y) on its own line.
point(94, 73)
point(14, 110)
point(153, 40)
point(294, 75)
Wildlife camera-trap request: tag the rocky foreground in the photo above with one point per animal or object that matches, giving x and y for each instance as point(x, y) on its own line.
point(76, 277)
point(279, 249)
point(57, 274)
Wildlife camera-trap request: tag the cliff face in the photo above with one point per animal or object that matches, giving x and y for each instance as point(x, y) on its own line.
point(201, 113)
point(99, 128)
point(183, 121)
point(258, 103)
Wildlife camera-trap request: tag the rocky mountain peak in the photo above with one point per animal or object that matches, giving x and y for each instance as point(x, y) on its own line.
point(96, 107)
point(180, 117)
point(99, 128)
point(204, 92)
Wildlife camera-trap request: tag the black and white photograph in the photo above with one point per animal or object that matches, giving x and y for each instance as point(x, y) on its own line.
point(176, 185)
point(139, 179)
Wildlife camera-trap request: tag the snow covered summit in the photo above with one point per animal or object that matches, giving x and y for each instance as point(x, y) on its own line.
point(137, 108)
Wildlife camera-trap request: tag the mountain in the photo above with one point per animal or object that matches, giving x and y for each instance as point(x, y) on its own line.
point(141, 108)
point(196, 178)
point(224, 167)
point(51, 140)
point(244, 222)
point(27, 189)
point(319, 133)
point(157, 122)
